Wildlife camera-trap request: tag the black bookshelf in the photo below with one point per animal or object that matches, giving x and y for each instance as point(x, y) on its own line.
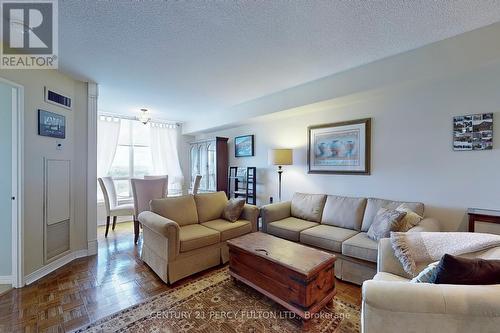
point(242, 183)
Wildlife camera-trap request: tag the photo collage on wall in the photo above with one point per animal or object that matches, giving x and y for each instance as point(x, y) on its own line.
point(473, 132)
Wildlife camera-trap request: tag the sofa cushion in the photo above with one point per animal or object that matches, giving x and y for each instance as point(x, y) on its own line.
point(229, 230)
point(308, 206)
point(181, 210)
point(344, 212)
point(210, 205)
point(428, 274)
point(374, 204)
point(233, 209)
point(475, 271)
point(361, 247)
point(411, 218)
point(195, 236)
point(326, 237)
point(385, 221)
point(289, 228)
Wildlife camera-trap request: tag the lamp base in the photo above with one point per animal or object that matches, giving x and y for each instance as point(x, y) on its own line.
point(280, 171)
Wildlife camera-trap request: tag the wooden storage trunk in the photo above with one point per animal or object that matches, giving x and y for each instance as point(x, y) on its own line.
point(298, 277)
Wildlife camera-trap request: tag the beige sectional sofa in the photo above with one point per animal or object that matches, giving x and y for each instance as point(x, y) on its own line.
point(337, 224)
point(392, 304)
point(185, 235)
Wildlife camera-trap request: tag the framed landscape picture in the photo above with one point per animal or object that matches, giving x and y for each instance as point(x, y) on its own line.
point(473, 132)
point(340, 148)
point(243, 146)
point(51, 124)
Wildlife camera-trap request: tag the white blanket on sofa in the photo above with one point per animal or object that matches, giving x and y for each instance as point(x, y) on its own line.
point(413, 248)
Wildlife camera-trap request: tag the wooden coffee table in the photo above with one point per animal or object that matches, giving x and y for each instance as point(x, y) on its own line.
point(298, 277)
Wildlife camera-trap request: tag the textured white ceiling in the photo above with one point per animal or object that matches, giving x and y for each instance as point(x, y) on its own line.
point(185, 58)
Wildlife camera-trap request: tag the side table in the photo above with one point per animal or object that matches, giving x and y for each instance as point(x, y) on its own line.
point(482, 215)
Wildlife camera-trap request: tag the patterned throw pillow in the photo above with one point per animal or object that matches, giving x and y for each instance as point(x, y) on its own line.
point(411, 218)
point(385, 221)
point(427, 275)
point(233, 209)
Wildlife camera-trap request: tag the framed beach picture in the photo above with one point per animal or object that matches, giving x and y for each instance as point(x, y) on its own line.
point(51, 124)
point(243, 146)
point(340, 148)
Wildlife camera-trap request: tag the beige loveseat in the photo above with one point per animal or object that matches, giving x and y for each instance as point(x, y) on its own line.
point(392, 304)
point(337, 224)
point(185, 235)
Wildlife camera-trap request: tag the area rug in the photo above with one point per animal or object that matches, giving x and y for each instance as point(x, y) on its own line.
point(217, 303)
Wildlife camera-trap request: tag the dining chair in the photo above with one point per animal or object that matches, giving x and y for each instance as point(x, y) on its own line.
point(144, 191)
point(113, 209)
point(196, 184)
point(159, 177)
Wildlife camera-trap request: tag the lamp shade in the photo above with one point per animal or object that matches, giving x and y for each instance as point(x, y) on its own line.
point(280, 156)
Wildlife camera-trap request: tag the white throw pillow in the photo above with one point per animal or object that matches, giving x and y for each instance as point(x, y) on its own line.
point(411, 218)
point(427, 275)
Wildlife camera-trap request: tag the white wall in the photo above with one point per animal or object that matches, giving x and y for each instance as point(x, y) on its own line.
point(37, 147)
point(412, 156)
point(438, 60)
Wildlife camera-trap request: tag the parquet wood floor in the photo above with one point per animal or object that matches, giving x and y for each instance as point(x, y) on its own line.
point(93, 287)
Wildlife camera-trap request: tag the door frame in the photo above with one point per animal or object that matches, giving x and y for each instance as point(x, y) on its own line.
point(17, 182)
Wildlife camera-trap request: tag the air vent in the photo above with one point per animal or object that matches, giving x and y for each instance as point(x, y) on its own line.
point(56, 98)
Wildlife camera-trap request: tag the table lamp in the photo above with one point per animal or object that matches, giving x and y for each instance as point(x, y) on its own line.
point(280, 157)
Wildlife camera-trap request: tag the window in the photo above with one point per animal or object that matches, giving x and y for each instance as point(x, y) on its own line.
point(133, 156)
point(211, 166)
point(195, 163)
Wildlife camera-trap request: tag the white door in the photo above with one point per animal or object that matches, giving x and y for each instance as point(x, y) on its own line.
point(6, 97)
point(10, 106)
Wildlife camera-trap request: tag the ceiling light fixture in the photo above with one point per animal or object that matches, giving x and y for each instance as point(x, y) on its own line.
point(144, 117)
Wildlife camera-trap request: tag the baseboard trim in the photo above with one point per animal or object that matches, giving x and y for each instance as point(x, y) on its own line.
point(6, 279)
point(92, 247)
point(52, 266)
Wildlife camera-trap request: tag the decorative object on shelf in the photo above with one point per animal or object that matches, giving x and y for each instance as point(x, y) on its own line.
point(209, 158)
point(242, 182)
point(243, 146)
point(51, 124)
point(340, 148)
point(482, 215)
point(473, 132)
point(280, 157)
point(144, 117)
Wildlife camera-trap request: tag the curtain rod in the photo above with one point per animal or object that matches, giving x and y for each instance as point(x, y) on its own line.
point(120, 116)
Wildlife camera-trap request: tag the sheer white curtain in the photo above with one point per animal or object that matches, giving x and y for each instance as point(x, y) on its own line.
point(108, 131)
point(165, 155)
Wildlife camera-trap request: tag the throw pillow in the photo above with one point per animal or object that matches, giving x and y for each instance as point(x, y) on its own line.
point(233, 209)
point(427, 275)
point(457, 270)
point(385, 221)
point(411, 218)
